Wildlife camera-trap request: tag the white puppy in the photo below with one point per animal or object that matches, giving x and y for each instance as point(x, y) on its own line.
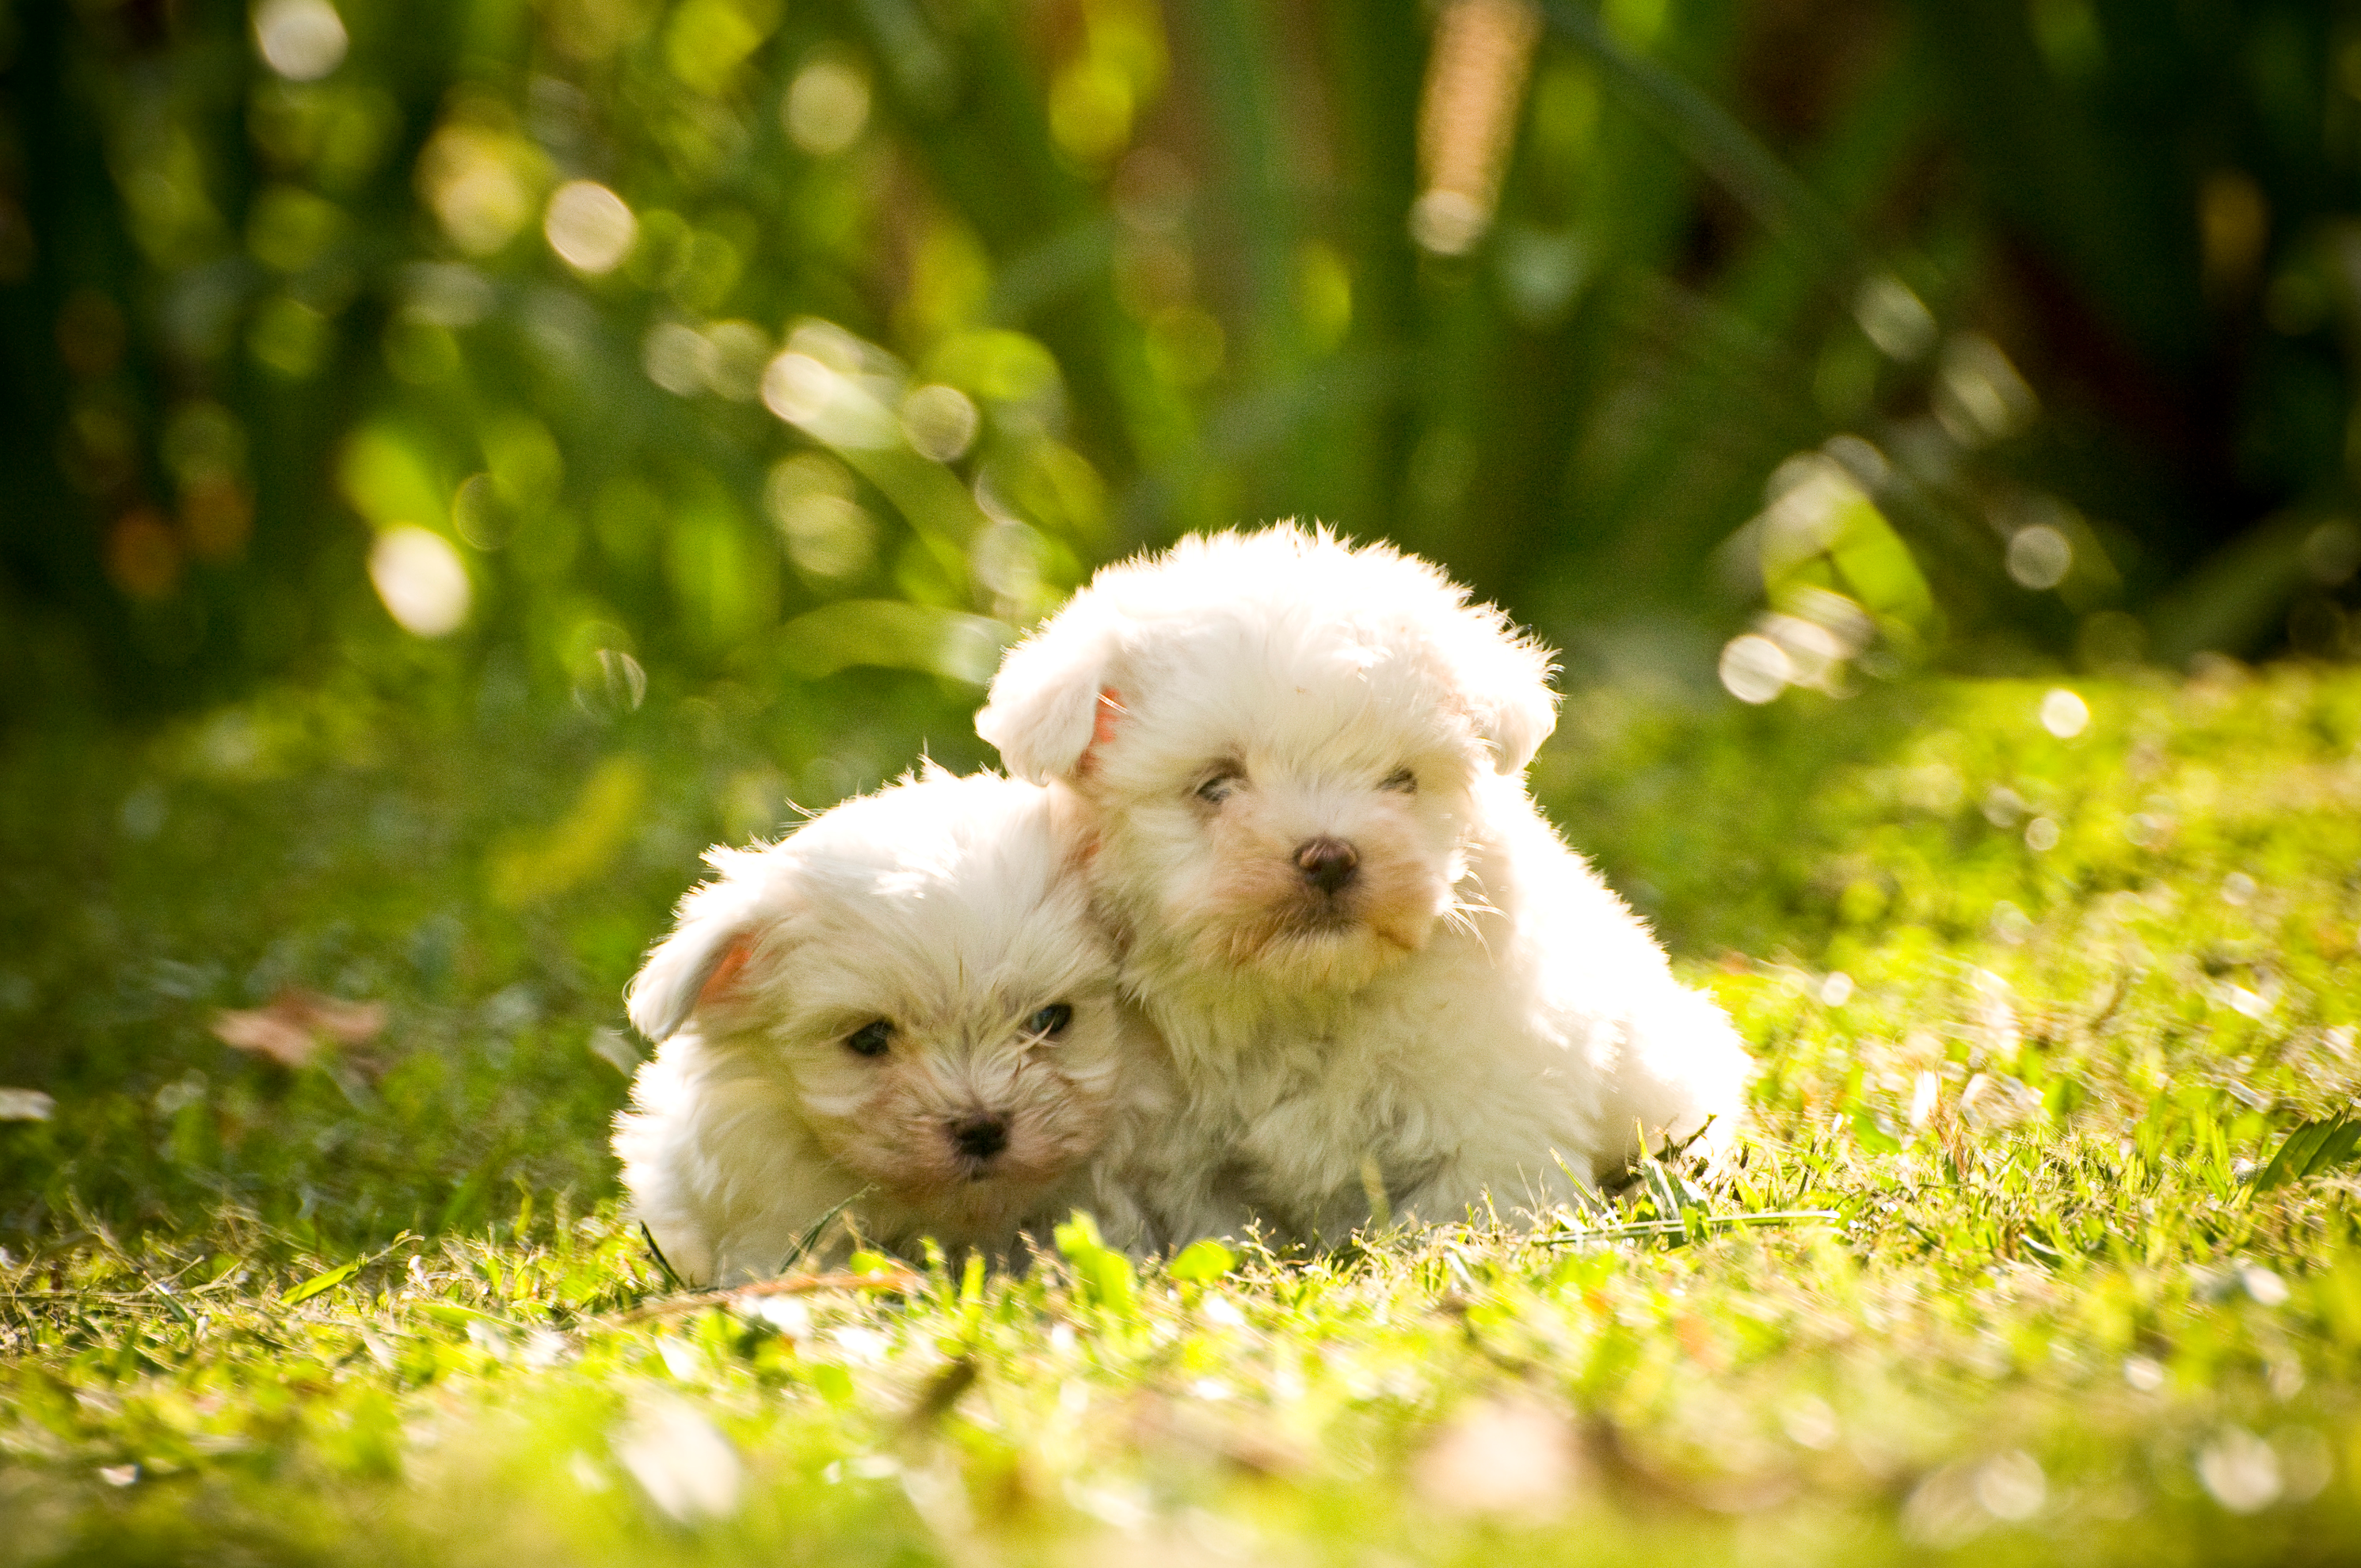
point(1380, 973)
point(903, 1012)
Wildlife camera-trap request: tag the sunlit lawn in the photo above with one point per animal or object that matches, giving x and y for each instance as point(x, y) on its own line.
point(2033, 1011)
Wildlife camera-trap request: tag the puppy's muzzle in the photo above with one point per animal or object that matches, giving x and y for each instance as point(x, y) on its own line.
point(979, 1138)
point(1328, 864)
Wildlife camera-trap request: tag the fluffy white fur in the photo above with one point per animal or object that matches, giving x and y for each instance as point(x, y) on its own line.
point(1473, 1012)
point(946, 909)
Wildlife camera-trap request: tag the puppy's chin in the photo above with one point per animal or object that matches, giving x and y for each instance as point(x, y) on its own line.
point(970, 1203)
point(1266, 922)
point(1316, 955)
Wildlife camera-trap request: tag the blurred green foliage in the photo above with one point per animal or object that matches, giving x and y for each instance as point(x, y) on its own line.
point(668, 339)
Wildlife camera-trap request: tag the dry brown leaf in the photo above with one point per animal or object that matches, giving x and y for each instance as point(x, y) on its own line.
point(350, 1022)
point(297, 1023)
point(267, 1031)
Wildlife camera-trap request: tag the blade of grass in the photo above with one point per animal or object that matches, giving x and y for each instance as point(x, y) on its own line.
point(331, 1278)
point(2311, 1149)
point(1641, 1229)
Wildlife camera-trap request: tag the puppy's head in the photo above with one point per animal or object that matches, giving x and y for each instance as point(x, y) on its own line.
point(921, 967)
point(1282, 735)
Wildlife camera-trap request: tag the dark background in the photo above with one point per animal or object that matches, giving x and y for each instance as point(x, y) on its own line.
point(2080, 268)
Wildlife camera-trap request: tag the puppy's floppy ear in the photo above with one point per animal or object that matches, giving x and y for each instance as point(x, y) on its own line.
point(1519, 722)
point(1503, 680)
point(1044, 709)
point(714, 931)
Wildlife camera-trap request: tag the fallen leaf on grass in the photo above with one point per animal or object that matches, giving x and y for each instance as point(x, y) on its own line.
point(297, 1023)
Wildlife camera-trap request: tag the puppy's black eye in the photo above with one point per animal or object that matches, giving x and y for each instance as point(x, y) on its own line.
point(1401, 779)
point(1218, 788)
point(870, 1039)
point(1050, 1022)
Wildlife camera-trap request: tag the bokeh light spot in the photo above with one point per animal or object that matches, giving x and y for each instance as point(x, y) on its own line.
point(475, 181)
point(2011, 1486)
point(482, 516)
point(828, 536)
point(1007, 558)
point(677, 358)
point(741, 351)
point(827, 533)
point(2039, 556)
point(819, 384)
point(826, 107)
point(302, 40)
point(2064, 714)
point(1447, 223)
point(421, 580)
point(1894, 318)
point(1754, 669)
point(1979, 394)
point(940, 421)
point(613, 683)
point(1091, 111)
point(589, 226)
point(2241, 1470)
point(796, 387)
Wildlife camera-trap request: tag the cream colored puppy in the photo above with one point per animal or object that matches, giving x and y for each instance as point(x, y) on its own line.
point(1380, 973)
point(902, 1011)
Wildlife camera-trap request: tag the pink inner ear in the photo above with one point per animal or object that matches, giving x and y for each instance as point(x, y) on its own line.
point(1102, 723)
point(724, 975)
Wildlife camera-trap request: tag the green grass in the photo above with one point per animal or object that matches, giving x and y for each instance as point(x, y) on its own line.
point(2054, 1317)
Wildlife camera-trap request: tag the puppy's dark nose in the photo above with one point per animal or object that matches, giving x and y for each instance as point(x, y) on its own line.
point(980, 1137)
point(1328, 864)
